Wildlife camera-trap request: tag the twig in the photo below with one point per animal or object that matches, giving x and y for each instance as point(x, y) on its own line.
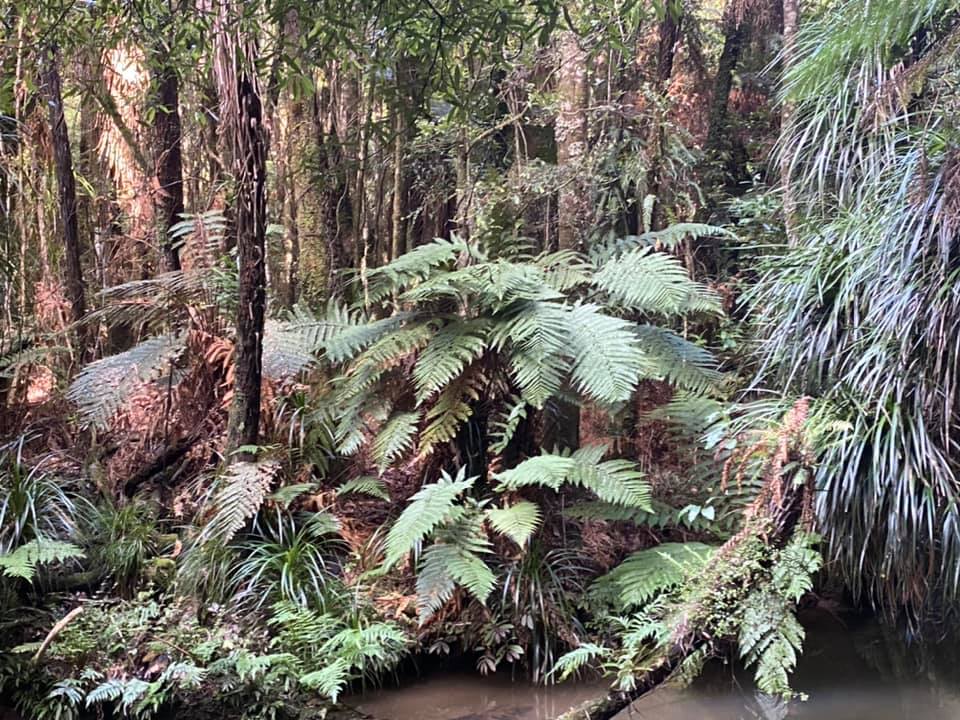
point(56, 630)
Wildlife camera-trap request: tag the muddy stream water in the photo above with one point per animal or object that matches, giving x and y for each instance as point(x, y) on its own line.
point(848, 673)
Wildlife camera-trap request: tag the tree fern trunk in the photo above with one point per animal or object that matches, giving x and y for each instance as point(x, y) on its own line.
point(242, 123)
point(168, 161)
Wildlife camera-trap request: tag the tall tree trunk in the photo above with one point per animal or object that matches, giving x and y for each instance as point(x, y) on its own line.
point(168, 198)
point(571, 135)
point(66, 192)
point(719, 143)
point(245, 138)
point(668, 35)
point(791, 19)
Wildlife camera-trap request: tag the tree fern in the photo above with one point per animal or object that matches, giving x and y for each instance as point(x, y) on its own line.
point(102, 387)
point(395, 437)
point(23, 561)
point(667, 356)
point(429, 507)
point(412, 266)
point(517, 521)
point(652, 282)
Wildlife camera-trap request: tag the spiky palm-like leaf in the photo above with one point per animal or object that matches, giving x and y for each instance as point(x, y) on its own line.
point(614, 481)
point(103, 386)
point(429, 507)
point(517, 521)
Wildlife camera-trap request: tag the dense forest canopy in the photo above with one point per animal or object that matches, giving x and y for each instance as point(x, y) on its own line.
point(553, 336)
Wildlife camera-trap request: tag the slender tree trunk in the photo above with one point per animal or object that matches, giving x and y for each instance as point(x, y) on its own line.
point(244, 134)
point(571, 135)
point(719, 144)
point(66, 192)
point(168, 200)
point(791, 19)
point(668, 35)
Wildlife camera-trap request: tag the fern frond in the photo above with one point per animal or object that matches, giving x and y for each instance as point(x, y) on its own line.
point(365, 485)
point(505, 426)
point(668, 356)
point(450, 410)
point(243, 488)
point(429, 507)
point(536, 338)
point(607, 361)
point(614, 481)
point(518, 521)
point(23, 562)
point(329, 680)
point(435, 584)
point(413, 266)
point(648, 573)
point(103, 386)
point(651, 282)
point(565, 270)
point(770, 637)
point(447, 354)
point(395, 438)
point(578, 659)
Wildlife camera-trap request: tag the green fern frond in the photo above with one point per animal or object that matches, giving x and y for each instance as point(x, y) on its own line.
point(607, 361)
point(443, 567)
point(518, 521)
point(648, 573)
point(365, 485)
point(395, 438)
point(412, 266)
point(447, 354)
point(565, 270)
point(450, 410)
point(770, 637)
point(614, 481)
point(577, 659)
point(103, 386)
point(23, 562)
point(243, 488)
point(650, 282)
point(536, 339)
point(429, 507)
point(666, 355)
point(505, 426)
point(795, 566)
point(329, 680)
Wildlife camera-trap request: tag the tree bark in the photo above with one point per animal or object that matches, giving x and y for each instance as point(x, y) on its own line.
point(718, 142)
point(168, 158)
point(244, 135)
point(66, 192)
point(571, 135)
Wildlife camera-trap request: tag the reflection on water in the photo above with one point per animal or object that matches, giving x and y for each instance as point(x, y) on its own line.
point(468, 696)
point(848, 674)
